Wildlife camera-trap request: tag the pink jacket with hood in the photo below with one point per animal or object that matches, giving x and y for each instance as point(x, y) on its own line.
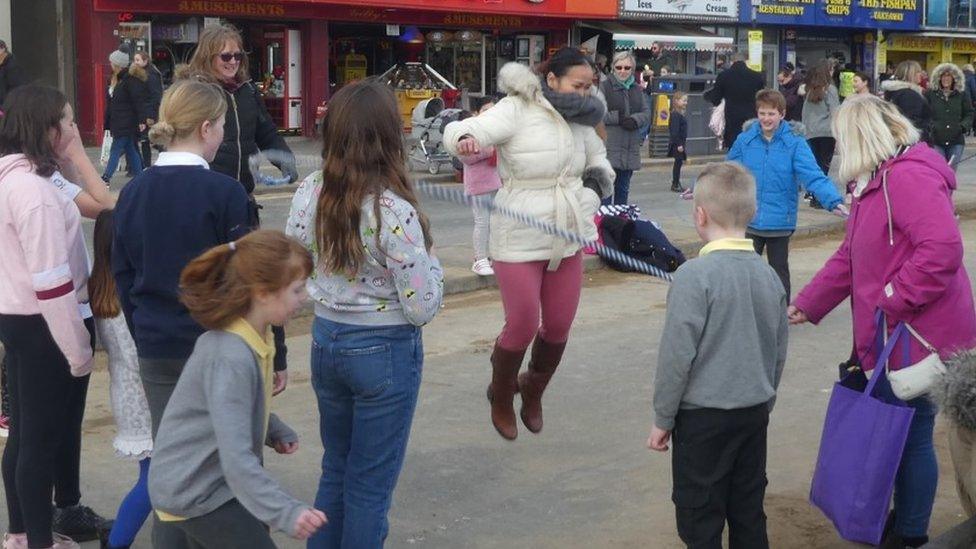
point(44, 266)
point(480, 173)
point(903, 253)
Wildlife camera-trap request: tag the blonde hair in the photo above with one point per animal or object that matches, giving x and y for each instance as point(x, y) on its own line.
point(869, 131)
point(727, 192)
point(908, 71)
point(211, 42)
point(185, 106)
point(674, 101)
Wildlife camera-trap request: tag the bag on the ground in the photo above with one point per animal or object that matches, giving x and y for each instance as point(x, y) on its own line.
point(641, 240)
point(106, 148)
point(863, 439)
point(915, 380)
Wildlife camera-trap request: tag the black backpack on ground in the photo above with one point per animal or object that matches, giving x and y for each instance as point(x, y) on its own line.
point(640, 240)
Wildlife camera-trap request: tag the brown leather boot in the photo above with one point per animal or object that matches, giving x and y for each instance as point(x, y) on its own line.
point(532, 383)
point(505, 365)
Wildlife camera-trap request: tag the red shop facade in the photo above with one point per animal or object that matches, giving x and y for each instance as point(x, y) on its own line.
point(300, 52)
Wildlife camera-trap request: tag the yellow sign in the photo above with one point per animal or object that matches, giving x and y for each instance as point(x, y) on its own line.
point(755, 50)
point(914, 43)
point(961, 45)
point(662, 110)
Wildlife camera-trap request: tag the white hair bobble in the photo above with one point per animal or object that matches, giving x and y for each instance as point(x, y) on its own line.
point(233, 245)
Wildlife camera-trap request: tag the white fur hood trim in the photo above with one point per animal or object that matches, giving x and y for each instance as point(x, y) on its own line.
point(957, 76)
point(518, 79)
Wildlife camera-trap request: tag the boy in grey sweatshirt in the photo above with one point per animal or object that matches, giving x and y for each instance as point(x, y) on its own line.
point(721, 356)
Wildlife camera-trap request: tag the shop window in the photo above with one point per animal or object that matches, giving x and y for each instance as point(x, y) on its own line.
point(458, 57)
point(959, 13)
point(937, 13)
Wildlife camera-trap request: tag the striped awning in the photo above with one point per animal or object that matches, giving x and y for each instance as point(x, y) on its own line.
point(668, 42)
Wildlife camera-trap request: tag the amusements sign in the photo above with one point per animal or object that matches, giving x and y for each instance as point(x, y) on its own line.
point(670, 9)
point(881, 14)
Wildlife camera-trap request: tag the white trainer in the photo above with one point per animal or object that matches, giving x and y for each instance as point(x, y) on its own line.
point(482, 267)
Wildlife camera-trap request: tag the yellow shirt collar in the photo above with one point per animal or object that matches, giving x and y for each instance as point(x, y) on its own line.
point(258, 344)
point(737, 244)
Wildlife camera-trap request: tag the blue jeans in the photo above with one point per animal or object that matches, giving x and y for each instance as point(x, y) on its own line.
point(366, 380)
point(952, 151)
point(918, 474)
point(621, 187)
point(119, 145)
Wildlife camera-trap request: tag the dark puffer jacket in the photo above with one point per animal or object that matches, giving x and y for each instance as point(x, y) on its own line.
point(10, 76)
point(952, 113)
point(127, 106)
point(248, 129)
point(794, 101)
point(623, 144)
point(154, 84)
point(910, 102)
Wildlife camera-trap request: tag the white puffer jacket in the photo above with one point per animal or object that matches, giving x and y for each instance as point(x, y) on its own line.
point(541, 161)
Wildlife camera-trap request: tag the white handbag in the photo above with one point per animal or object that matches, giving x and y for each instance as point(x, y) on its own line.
point(106, 148)
point(916, 380)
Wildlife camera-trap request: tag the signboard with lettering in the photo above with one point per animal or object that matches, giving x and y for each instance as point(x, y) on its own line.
point(867, 14)
point(698, 9)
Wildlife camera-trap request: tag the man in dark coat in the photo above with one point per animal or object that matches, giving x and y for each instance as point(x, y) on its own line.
point(10, 73)
point(738, 87)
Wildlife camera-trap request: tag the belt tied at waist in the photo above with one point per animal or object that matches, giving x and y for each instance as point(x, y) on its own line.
point(565, 202)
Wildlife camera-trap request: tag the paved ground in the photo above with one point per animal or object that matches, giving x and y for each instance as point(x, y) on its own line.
point(587, 480)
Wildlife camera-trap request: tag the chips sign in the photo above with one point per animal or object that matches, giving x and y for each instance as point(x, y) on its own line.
point(867, 14)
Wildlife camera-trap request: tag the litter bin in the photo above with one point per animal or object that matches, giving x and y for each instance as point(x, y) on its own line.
point(701, 140)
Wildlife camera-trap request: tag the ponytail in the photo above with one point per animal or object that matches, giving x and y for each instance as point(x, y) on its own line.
point(219, 286)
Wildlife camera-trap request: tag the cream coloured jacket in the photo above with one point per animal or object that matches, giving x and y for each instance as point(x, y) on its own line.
point(541, 161)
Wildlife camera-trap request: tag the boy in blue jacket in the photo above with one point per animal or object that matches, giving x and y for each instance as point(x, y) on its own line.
point(779, 158)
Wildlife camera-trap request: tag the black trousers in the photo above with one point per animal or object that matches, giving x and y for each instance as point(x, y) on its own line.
point(281, 349)
point(823, 151)
point(145, 151)
point(777, 253)
point(676, 171)
point(719, 469)
point(230, 525)
point(45, 425)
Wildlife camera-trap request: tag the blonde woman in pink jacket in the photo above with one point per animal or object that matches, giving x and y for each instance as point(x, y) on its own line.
point(481, 181)
point(45, 325)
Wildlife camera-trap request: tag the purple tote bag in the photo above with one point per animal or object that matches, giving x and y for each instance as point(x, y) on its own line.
point(860, 449)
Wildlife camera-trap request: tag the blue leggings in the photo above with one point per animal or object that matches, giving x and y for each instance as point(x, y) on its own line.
point(133, 510)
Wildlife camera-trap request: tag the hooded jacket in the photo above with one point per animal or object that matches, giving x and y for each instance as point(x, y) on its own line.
point(45, 262)
point(902, 253)
point(910, 102)
point(128, 105)
point(780, 167)
point(952, 113)
point(623, 145)
point(542, 160)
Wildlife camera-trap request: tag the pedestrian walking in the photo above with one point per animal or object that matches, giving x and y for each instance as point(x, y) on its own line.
point(777, 155)
point(738, 86)
point(720, 361)
point(862, 83)
point(11, 75)
point(970, 92)
point(789, 85)
point(481, 182)
point(819, 107)
point(166, 216)
point(952, 112)
point(904, 91)
point(154, 85)
point(248, 129)
point(375, 283)
point(627, 113)
point(678, 140)
point(207, 482)
point(127, 109)
point(133, 438)
point(553, 168)
point(45, 324)
point(902, 254)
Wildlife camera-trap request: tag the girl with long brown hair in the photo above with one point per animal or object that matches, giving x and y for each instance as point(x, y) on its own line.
point(375, 284)
point(128, 398)
point(207, 482)
point(822, 102)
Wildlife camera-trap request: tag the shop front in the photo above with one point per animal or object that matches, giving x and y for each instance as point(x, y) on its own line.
point(844, 30)
point(930, 48)
point(300, 52)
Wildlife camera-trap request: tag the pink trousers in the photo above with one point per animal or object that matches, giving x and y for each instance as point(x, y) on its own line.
point(530, 293)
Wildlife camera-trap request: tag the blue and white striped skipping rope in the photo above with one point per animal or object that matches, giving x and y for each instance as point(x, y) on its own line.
point(455, 195)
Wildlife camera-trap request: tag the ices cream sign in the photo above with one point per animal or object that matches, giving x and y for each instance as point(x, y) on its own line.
point(719, 9)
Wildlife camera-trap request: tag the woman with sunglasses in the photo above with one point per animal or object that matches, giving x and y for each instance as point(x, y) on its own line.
point(248, 129)
point(627, 113)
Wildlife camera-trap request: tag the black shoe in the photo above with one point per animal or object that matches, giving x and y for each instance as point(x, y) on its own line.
point(815, 204)
point(677, 188)
point(78, 522)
